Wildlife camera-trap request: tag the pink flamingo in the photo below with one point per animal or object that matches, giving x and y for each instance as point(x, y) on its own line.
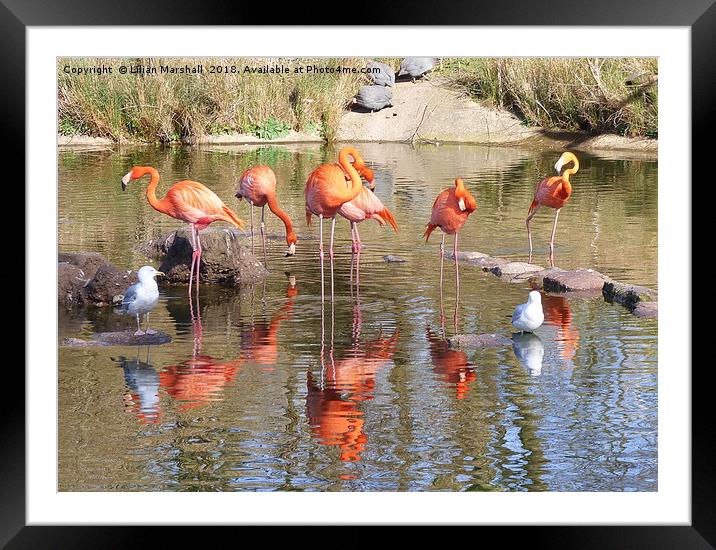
point(326, 192)
point(258, 187)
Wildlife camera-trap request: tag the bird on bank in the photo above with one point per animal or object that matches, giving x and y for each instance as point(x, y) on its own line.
point(374, 98)
point(326, 191)
point(141, 298)
point(258, 187)
point(189, 201)
point(529, 316)
point(381, 74)
point(416, 66)
point(553, 192)
point(450, 212)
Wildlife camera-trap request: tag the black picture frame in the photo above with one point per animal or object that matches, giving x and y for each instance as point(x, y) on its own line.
point(699, 15)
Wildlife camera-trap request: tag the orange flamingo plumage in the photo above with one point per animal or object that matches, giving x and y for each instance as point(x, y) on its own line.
point(326, 191)
point(258, 187)
point(366, 206)
point(554, 193)
point(451, 209)
point(189, 201)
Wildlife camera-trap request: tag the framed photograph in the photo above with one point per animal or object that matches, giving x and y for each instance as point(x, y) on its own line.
point(371, 275)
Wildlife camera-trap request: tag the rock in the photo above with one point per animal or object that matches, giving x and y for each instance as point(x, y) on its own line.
point(476, 341)
point(126, 338)
point(88, 262)
point(646, 309)
point(465, 256)
point(627, 295)
point(70, 280)
point(394, 259)
point(559, 280)
point(108, 283)
point(224, 259)
point(515, 271)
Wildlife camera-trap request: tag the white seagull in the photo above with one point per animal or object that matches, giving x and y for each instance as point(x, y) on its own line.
point(141, 297)
point(529, 316)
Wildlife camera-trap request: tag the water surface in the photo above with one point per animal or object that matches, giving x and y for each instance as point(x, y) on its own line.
point(257, 393)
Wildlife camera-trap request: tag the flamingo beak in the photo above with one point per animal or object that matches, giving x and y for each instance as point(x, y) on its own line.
point(461, 204)
point(559, 164)
point(125, 180)
point(291, 250)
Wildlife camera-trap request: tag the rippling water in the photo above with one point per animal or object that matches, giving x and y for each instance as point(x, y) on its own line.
point(259, 394)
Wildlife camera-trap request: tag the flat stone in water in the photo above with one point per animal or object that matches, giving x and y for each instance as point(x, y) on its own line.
point(647, 309)
point(627, 295)
point(394, 259)
point(125, 338)
point(560, 280)
point(476, 341)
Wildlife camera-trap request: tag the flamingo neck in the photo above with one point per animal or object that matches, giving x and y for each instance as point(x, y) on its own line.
point(152, 187)
point(356, 184)
point(274, 207)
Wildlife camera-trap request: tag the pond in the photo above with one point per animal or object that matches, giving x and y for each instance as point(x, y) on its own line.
point(262, 390)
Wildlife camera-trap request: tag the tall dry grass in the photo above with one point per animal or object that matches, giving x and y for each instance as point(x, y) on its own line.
point(169, 107)
point(613, 95)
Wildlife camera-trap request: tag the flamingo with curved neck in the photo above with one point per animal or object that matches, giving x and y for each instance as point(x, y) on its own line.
point(258, 187)
point(326, 191)
point(554, 193)
point(189, 201)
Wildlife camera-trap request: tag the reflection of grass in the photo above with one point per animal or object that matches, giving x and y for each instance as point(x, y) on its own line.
point(567, 93)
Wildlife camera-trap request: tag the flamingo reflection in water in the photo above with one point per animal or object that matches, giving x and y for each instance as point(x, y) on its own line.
point(200, 379)
point(142, 382)
point(259, 341)
point(451, 365)
point(332, 403)
point(558, 313)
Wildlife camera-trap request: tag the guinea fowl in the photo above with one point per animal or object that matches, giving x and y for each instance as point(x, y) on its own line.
point(373, 98)
point(381, 73)
point(416, 66)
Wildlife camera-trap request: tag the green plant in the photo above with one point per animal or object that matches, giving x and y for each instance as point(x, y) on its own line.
point(270, 129)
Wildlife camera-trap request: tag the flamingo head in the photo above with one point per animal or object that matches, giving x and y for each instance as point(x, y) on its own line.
point(465, 201)
point(133, 174)
point(291, 239)
point(565, 159)
point(368, 175)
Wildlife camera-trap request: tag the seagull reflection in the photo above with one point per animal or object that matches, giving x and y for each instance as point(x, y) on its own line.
point(259, 340)
point(332, 404)
point(557, 313)
point(142, 381)
point(200, 379)
point(529, 350)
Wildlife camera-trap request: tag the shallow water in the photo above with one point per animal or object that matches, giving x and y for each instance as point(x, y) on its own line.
point(248, 398)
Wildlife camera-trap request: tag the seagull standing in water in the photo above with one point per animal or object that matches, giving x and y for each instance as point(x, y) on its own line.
point(529, 316)
point(141, 297)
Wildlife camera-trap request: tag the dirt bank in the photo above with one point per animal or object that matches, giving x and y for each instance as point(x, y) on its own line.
point(428, 111)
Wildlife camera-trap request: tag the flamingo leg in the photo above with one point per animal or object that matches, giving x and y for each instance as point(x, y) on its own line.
point(457, 284)
point(551, 241)
point(353, 252)
point(198, 261)
point(193, 258)
point(529, 231)
point(330, 254)
point(359, 247)
point(442, 259)
point(252, 226)
point(320, 255)
point(263, 233)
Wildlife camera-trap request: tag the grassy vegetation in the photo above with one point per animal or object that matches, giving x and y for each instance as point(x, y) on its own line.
point(612, 95)
point(168, 107)
point(561, 94)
